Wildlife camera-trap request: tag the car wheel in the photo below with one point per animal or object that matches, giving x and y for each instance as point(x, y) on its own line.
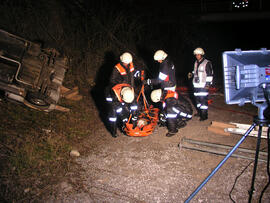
point(37, 100)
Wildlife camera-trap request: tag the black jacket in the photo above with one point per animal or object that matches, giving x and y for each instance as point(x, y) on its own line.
point(117, 78)
point(166, 74)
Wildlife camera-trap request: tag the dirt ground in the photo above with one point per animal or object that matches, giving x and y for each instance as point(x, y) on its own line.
point(155, 169)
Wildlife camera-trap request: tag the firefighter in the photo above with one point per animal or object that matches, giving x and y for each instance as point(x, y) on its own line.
point(182, 108)
point(202, 79)
point(166, 79)
point(120, 93)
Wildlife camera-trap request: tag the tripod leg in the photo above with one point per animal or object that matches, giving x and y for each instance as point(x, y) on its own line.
point(221, 163)
point(255, 163)
point(268, 164)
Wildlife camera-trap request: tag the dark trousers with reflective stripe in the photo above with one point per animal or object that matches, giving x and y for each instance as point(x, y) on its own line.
point(117, 112)
point(120, 114)
point(171, 120)
point(201, 98)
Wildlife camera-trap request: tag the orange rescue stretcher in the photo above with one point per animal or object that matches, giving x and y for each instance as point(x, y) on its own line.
point(148, 119)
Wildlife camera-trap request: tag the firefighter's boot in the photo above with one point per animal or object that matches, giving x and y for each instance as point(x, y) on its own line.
point(204, 115)
point(114, 130)
point(172, 127)
point(181, 124)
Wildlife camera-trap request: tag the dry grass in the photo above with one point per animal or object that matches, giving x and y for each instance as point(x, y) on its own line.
point(35, 146)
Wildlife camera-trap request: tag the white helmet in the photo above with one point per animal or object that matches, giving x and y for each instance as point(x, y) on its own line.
point(198, 51)
point(160, 55)
point(141, 122)
point(156, 95)
point(126, 58)
point(127, 94)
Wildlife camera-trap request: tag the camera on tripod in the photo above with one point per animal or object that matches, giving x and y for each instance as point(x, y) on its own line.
point(246, 76)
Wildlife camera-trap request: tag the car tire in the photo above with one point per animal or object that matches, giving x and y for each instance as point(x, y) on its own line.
point(37, 100)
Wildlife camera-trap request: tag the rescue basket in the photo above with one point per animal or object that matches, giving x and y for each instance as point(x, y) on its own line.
point(147, 119)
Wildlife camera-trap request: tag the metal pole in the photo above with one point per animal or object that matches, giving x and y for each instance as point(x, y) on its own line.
point(211, 148)
point(220, 164)
point(214, 145)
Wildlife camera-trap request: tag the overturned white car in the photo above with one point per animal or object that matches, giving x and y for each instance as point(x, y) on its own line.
point(29, 74)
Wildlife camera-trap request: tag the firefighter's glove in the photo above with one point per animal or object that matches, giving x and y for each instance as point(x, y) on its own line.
point(208, 85)
point(190, 75)
point(144, 82)
point(147, 82)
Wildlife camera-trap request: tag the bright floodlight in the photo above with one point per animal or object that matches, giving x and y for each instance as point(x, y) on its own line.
point(246, 76)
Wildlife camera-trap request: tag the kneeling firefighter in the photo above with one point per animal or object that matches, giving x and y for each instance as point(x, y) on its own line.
point(167, 80)
point(172, 108)
point(120, 93)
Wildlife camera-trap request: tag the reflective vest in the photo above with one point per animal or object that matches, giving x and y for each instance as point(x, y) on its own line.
point(170, 94)
point(122, 70)
point(200, 76)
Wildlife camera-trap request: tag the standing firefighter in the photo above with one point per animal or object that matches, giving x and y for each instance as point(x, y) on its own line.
point(120, 93)
point(168, 87)
point(202, 79)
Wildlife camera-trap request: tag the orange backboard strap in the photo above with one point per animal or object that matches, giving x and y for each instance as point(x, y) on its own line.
point(144, 98)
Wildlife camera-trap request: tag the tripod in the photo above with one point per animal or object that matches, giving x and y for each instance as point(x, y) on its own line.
point(258, 121)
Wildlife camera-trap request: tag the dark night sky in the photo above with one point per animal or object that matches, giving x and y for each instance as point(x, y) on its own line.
point(217, 27)
point(177, 26)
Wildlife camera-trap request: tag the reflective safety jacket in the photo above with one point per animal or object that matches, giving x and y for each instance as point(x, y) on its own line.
point(122, 74)
point(171, 94)
point(168, 94)
point(203, 73)
point(174, 108)
point(166, 75)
